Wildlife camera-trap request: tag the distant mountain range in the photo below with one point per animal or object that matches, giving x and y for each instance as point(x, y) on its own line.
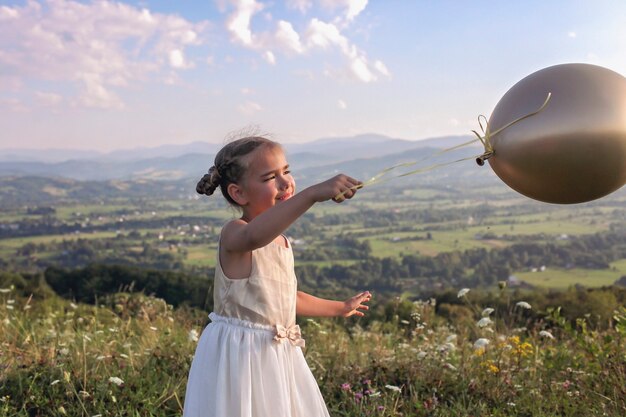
point(361, 156)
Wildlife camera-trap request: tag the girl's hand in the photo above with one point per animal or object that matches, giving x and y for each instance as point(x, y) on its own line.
point(338, 188)
point(354, 305)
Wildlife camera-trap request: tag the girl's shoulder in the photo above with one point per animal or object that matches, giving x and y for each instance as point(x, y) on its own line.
point(232, 226)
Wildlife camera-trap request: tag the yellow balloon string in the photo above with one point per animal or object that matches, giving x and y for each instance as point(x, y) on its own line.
point(487, 134)
point(485, 139)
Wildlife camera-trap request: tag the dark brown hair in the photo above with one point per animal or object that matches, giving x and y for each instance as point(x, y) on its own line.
point(230, 166)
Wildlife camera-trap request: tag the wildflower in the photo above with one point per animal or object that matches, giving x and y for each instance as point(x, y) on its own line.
point(61, 410)
point(74, 306)
point(117, 381)
point(405, 322)
point(358, 396)
point(313, 322)
point(56, 381)
point(192, 336)
point(511, 404)
point(5, 290)
point(486, 312)
point(462, 292)
point(421, 355)
point(481, 343)
point(451, 338)
point(545, 333)
point(375, 394)
point(447, 347)
point(393, 388)
point(153, 328)
point(123, 355)
point(345, 386)
point(523, 304)
point(484, 322)
point(449, 366)
point(64, 351)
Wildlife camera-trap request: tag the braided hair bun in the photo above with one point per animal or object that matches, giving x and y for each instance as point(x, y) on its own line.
point(209, 182)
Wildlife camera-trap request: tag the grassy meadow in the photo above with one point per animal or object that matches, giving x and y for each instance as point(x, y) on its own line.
point(129, 356)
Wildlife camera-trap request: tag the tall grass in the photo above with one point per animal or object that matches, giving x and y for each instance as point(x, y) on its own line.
point(130, 356)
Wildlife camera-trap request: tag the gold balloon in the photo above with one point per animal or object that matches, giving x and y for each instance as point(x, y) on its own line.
point(572, 151)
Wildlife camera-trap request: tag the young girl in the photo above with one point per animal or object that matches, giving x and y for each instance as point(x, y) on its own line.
point(249, 361)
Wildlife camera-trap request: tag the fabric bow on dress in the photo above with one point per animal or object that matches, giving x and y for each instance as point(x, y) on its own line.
point(292, 334)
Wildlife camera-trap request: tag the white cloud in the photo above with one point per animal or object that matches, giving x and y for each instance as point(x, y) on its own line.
point(318, 35)
point(13, 104)
point(177, 59)
point(269, 57)
point(98, 46)
point(355, 7)
point(382, 68)
point(288, 37)
point(302, 5)
point(239, 21)
point(342, 104)
point(571, 34)
point(249, 107)
point(351, 8)
point(48, 99)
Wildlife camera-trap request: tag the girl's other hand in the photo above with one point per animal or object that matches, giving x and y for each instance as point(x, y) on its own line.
point(354, 305)
point(341, 185)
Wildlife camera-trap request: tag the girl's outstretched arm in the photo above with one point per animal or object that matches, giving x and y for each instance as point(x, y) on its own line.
point(264, 228)
point(309, 305)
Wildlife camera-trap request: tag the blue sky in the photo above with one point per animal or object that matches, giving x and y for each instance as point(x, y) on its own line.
point(108, 75)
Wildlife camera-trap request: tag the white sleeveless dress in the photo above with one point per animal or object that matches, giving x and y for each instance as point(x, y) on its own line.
point(249, 361)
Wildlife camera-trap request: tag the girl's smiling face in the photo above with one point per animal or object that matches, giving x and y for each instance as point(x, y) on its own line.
point(267, 180)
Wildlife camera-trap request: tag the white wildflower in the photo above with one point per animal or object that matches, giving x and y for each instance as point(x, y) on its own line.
point(117, 381)
point(545, 333)
point(74, 306)
point(5, 290)
point(447, 347)
point(123, 355)
point(405, 322)
point(511, 404)
point(484, 322)
point(56, 381)
point(486, 312)
point(64, 351)
point(451, 338)
point(481, 343)
point(449, 366)
point(153, 328)
point(523, 304)
point(192, 336)
point(462, 292)
point(9, 307)
point(393, 388)
point(101, 357)
point(421, 355)
point(375, 394)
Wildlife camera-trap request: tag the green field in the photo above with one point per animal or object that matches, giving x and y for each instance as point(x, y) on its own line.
point(562, 279)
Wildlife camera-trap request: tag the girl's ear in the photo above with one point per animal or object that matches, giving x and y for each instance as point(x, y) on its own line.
point(236, 193)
